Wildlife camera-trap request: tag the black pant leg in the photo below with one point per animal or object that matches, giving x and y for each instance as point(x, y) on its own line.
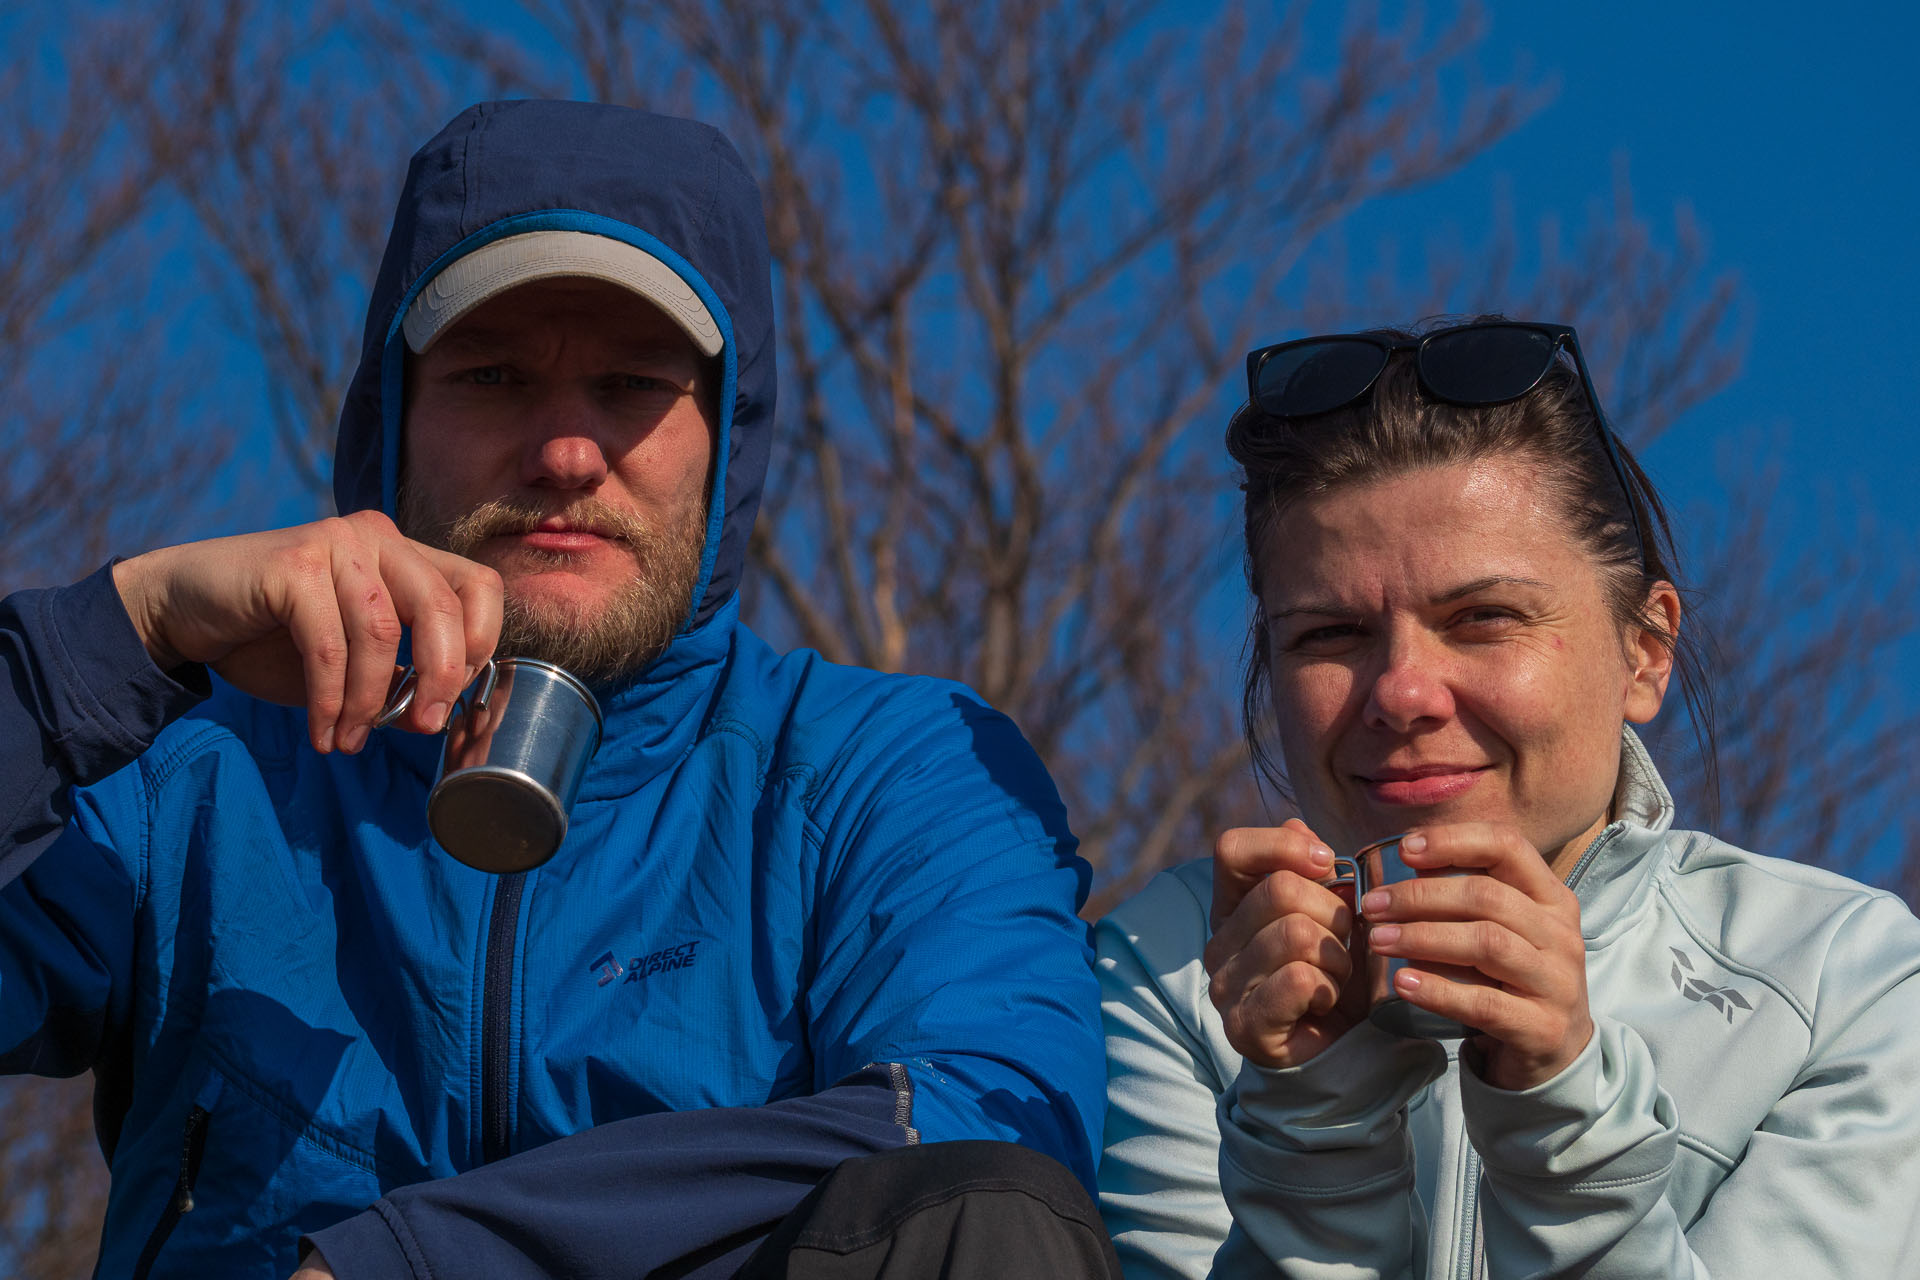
point(941, 1211)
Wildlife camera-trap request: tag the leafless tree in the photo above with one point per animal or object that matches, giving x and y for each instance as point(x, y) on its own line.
point(91, 460)
point(1020, 249)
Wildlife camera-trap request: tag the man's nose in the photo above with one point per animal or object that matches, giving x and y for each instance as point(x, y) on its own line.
point(1411, 687)
point(566, 445)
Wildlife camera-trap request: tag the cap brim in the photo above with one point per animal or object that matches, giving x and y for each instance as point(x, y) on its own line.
point(508, 263)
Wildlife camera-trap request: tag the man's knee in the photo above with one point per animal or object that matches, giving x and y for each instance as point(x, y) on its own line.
point(961, 1210)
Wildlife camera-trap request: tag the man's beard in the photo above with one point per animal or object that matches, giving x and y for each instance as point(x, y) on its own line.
point(602, 645)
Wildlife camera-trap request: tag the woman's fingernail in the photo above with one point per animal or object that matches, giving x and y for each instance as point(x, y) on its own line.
point(1374, 903)
point(1407, 980)
point(436, 714)
point(1321, 855)
point(1413, 843)
point(1383, 935)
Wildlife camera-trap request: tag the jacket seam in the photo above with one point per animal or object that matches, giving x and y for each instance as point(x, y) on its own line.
point(1708, 1150)
point(403, 1236)
point(306, 1131)
point(1399, 1172)
point(1586, 1184)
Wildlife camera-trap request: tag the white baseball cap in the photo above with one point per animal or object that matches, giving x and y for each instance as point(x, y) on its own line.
point(465, 283)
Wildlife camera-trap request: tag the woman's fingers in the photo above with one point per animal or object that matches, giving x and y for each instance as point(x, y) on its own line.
point(1500, 951)
point(1496, 951)
point(1526, 1041)
point(1245, 856)
point(1289, 973)
point(1280, 895)
point(1493, 847)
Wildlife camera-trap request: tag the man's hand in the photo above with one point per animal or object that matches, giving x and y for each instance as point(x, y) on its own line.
point(1283, 978)
point(314, 1267)
point(1517, 925)
point(313, 616)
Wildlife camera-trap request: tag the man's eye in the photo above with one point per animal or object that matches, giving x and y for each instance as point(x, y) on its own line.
point(490, 375)
point(646, 382)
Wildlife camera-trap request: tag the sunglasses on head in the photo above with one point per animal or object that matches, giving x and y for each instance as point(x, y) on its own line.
point(1486, 362)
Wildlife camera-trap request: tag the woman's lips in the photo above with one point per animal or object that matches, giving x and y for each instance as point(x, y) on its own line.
point(1428, 785)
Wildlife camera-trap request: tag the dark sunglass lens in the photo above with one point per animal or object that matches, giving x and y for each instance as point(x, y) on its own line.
point(1296, 382)
point(1486, 364)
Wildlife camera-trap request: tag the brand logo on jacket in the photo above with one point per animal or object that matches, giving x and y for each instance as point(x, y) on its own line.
point(606, 970)
point(1725, 999)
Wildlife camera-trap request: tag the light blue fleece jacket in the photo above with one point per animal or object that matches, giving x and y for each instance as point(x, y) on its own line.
point(1749, 1104)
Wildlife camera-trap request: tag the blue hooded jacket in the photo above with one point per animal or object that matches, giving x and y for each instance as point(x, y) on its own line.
point(803, 911)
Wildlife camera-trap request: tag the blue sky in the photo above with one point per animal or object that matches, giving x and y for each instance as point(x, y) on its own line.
point(1792, 137)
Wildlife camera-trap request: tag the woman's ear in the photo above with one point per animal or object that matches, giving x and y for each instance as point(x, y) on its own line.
point(1650, 650)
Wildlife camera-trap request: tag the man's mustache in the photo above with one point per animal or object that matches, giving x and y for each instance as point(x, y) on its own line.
point(510, 517)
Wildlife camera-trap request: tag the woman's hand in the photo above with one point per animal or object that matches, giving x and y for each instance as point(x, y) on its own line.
point(1279, 960)
point(1518, 925)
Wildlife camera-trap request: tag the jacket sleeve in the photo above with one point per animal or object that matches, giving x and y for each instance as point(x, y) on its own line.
point(948, 935)
point(1160, 1165)
point(682, 1193)
point(1317, 1164)
point(82, 700)
point(1577, 1169)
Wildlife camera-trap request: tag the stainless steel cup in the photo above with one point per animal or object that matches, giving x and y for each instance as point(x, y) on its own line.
point(1372, 867)
point(518, 743)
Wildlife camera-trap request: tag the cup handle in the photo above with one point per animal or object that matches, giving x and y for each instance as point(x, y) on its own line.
point(1346, 875)
point(489, 674)
point(402, 696)
point(399, 701)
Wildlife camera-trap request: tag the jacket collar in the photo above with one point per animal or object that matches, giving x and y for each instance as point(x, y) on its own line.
point(1624, 857)
point(652, 719)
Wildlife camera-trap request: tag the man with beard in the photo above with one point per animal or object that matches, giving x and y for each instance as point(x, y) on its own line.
point(808, 921)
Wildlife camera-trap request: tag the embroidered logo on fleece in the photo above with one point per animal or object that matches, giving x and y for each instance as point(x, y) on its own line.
point(607, 970)
point(1725, 999)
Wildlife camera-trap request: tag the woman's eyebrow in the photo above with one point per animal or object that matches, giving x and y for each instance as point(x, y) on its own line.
point(1481, 584)
point(1324, 609)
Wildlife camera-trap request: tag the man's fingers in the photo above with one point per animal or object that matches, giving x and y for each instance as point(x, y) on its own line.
point(481, 598)
point(1245, 856)
point(313, 623)
point(373, 629)
point(435, 615)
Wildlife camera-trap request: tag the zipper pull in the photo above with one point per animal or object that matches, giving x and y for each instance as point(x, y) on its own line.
point(192, 1143)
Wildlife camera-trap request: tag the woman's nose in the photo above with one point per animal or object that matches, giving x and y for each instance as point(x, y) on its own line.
point(1410, 688)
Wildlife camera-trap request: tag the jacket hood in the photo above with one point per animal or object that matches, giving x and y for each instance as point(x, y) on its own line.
point(675, 188)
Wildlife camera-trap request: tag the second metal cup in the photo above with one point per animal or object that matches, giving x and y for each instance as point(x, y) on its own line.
point(1372, 867)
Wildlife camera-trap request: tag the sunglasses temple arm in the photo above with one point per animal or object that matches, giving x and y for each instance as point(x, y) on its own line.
point(1610, 440)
